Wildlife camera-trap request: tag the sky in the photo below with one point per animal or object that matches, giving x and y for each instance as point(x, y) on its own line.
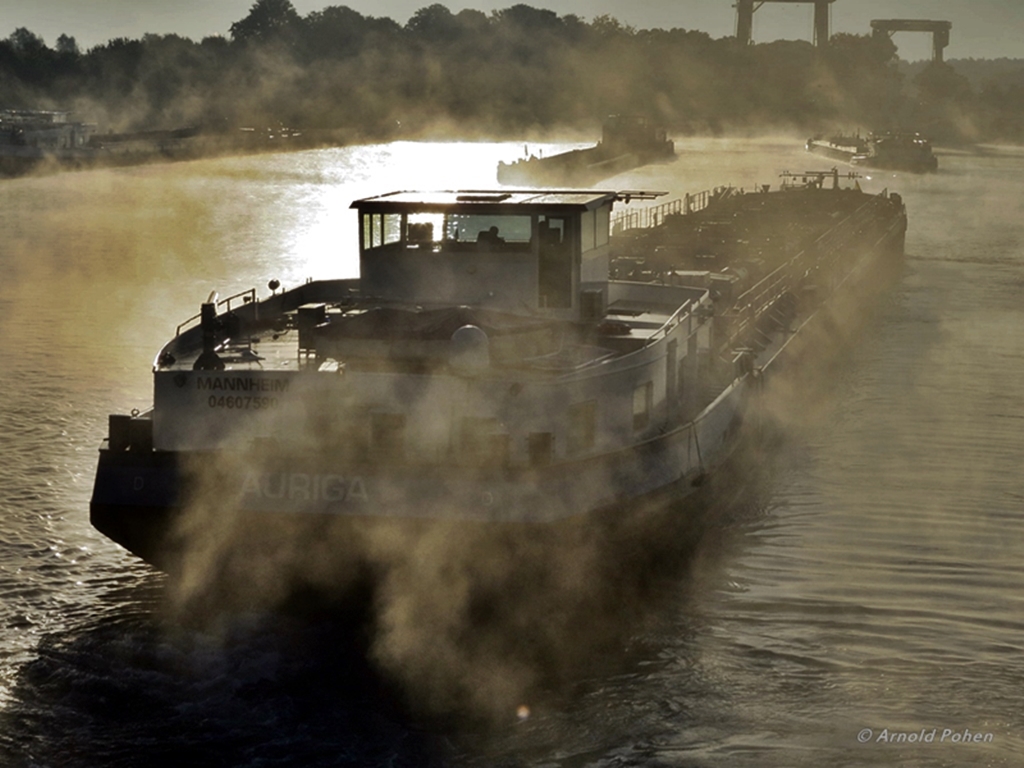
point(981, 28)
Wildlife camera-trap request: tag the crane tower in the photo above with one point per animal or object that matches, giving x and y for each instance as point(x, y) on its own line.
point(939, 29)
point(745, 18)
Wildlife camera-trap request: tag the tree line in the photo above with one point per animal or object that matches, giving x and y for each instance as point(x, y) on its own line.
point(507, 73)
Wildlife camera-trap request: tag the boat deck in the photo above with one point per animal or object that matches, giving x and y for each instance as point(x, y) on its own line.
point(627, 325)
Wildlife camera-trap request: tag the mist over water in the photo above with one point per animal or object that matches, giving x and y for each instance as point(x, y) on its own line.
point(873, 581)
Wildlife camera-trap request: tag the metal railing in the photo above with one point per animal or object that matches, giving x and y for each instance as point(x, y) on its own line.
point(822, 256)
point(642, 218)
point(247, 297)
point(672, 322)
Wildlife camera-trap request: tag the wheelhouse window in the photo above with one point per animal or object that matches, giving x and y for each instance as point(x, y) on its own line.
point(488, 229)
point(381, 229)
point(424, 230)
point(434, 231)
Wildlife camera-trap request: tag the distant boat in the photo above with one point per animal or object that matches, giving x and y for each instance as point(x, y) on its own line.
point(626, 142)
point(30, 139)
point(887, 150)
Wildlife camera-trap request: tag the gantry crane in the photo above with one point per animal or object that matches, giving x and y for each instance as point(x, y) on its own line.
point(745, 18)
point(939, 29)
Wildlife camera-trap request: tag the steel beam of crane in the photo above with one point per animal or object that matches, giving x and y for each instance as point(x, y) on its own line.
point(939, 31)
point(745, 18)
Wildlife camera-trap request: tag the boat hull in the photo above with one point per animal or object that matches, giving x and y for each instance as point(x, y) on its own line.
point(141, 497)
point(579, 167)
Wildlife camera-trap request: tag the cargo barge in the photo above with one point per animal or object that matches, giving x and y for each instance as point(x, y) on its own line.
point(506, 358)
point(627, 142)
point(885, 151)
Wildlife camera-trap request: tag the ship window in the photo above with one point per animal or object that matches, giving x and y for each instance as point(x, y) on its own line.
point(489, 229)
point(643, 397)
point(582, 426)
point(387, 434)
point(424, 229)
point(381, 229)
point(371, 230)
point(392, 228)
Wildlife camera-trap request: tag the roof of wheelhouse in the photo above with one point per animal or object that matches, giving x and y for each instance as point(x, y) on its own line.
point(524, 201)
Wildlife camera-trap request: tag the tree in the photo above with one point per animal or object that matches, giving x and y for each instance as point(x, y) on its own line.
point(334, 32)
point(939, 82)
point(267, 20)
point(529, 19)
point(434, 22)
point(26, 42)
point(67, 46)
point(606, 26)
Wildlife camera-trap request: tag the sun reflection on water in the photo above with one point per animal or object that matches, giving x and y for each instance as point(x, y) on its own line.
point(318, 232)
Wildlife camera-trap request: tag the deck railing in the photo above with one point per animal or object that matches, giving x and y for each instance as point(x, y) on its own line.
point(244, 297)
point(821, 257)
point(652, 216)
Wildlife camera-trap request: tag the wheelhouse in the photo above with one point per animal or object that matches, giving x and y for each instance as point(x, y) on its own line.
point(541, 251)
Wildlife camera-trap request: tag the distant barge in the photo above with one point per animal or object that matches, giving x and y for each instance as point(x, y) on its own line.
point(627, 142)
point(886, 151)
point(36, 139)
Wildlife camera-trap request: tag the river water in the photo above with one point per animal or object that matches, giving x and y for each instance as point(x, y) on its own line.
point(867, 608)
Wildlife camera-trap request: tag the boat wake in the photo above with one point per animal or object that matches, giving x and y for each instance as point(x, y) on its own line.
point(467, 619)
